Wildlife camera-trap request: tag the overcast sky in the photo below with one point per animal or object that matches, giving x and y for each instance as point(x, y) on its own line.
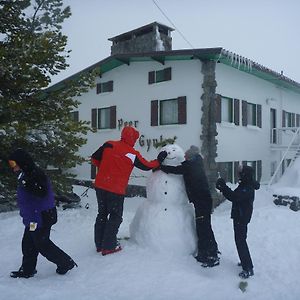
point(265, 31)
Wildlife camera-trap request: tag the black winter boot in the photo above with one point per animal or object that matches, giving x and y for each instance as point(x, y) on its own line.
point(62, 270)
point(246, 273)
point(22, 274)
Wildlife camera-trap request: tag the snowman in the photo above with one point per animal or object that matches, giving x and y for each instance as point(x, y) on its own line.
point(165, 220)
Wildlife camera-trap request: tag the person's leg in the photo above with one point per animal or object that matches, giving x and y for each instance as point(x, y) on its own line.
point(115, 209)
point(29, 261)
point(101, 219)
point(42, 242)
point(240, 236)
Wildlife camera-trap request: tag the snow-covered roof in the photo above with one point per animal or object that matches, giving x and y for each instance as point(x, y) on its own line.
point(219, 55)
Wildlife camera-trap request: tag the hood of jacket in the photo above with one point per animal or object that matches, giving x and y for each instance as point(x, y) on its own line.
point(129, 135)
point(247, 177)
point(23, 160)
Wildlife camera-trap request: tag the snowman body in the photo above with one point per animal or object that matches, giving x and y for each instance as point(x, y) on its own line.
point(165, 220)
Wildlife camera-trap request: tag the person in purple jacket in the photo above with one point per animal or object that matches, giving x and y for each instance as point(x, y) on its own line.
point(35, 199)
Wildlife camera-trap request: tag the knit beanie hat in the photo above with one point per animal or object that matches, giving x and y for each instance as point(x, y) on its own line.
point(193, 151)
point(23, 159)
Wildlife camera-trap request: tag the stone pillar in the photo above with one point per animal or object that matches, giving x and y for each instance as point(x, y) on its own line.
point(209, 127)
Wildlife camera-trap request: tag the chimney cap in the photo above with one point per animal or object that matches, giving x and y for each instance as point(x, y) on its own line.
point(140, 31)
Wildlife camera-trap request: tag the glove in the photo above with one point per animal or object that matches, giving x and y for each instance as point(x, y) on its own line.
point(161, 156)
point(220, 184)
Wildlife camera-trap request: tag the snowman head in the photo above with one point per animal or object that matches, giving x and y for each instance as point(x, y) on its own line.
point(175, 155)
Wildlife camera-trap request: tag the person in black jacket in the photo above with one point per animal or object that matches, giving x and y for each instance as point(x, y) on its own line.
point(197, 189)
point(242, 207)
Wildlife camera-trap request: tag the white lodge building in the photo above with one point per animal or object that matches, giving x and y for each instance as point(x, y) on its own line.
point(235, 110)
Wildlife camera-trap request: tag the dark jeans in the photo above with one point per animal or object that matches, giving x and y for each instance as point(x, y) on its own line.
point(240, 236)
point(109, 219)
point(38, 241)
point(207, 245)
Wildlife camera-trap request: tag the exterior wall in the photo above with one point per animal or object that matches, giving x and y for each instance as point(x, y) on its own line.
point(251, 143)
point(132, 95)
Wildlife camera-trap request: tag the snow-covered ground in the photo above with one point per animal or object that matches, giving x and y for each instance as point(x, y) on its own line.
point(136, 273)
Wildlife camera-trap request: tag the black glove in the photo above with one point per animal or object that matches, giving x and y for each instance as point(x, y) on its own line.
point(161, 156)
point(220, 184)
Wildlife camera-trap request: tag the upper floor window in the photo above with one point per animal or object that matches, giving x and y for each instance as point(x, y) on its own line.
point(227, 110)
point(159, 76)
point(168, 111)
point(289, 119)
point(104, 118)
point(104, 87)
point(75, 116)
point(251, 114)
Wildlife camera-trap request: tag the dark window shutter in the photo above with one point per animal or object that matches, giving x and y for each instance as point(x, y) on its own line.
point(283, 118)
point(94, 118)
point(93, 171)
point(259, 116)
point(297, 120)
point(110, 86)
point(98, 88)
point(168, 74)
point(236, 111)
point(113, 117)
point(151, 77)
point(218, 109)
point(154, 112)
point(236, 171)
point(182, 110)
point(259, 170)
point(244, 113)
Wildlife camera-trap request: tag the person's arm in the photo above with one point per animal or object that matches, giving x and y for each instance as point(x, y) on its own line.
point(238, 195)
point(141, 163)
point(179, 170)
point(97, 155)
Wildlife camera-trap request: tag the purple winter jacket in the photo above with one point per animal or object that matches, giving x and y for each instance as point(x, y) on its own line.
point(31, 205)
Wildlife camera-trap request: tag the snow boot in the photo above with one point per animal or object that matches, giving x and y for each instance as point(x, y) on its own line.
point(111, 251)
point(211, 262)
point(246, 274)
point(62, 270)
point(22, 274)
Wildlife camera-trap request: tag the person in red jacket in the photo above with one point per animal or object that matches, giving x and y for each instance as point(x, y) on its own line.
point(115, 161)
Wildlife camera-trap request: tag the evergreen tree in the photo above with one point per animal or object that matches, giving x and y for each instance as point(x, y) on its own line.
point(32, 116)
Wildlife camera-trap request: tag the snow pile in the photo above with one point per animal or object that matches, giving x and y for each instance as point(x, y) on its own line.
point(289, 183)
point(165, 221)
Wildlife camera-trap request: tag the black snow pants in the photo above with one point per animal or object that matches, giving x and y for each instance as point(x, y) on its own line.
point(38, 241)
point(240, 236)
point(207, 245)
point(109, 219)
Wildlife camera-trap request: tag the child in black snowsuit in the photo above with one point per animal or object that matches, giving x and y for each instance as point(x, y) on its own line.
point(198, 193)
point(242, 206)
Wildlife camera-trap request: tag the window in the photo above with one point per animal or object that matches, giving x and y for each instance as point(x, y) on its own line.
point(228, 171)
point(251, 114)
point(104, 118)
point(168, 111)
point(75, 116)
point(159, 76)
point(227, 110)
point(290, 119)
point(105, 87)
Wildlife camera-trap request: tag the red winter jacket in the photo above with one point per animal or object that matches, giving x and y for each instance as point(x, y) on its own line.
point(115, 161)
